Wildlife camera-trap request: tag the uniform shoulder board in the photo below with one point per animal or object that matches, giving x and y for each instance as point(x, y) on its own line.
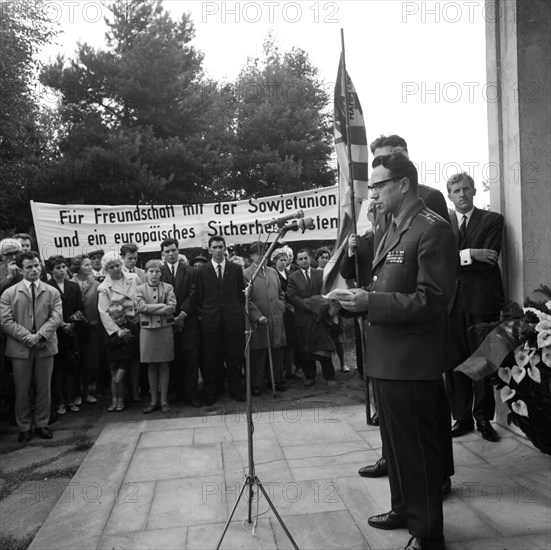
point(430, 216)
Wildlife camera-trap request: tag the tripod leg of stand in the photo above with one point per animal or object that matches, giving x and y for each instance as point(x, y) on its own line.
point(289, 536)
point(270, 360)
point(245, 483)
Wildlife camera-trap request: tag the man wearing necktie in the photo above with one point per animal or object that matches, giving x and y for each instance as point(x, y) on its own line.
point(413, 277)
point(311, 320)
point(129, 255)
point(31, 313)
point(478, 299)
point(220, 301)
point(184, 370)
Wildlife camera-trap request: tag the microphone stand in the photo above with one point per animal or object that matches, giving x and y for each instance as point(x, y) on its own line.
point(251, 479)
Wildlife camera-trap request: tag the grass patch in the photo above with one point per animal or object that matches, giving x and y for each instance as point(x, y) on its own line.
point(8, 542)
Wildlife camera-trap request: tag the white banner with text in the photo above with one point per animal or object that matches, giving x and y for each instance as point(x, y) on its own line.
point(78, 229)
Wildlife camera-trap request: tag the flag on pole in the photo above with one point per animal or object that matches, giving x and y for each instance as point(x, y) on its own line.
point(347, 110)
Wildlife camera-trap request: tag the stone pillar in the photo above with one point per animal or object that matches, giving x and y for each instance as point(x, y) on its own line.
point(518, 60)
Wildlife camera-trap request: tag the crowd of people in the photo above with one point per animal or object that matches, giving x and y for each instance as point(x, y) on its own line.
point(74, 327)
point(425, 277)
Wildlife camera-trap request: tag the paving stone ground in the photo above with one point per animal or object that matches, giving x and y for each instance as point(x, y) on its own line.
point(170, 480)
point(46, 467)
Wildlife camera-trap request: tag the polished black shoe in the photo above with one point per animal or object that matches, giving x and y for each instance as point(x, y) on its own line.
point(24, 437)
point(375, 419)
point(255, 390)
point(419, 543)
point(210, 400)
point(487, 431)
point(44, 433)
point(446, 487)
point(379, 469)
point(388, 521)
point(238, 396)
point(462, 427)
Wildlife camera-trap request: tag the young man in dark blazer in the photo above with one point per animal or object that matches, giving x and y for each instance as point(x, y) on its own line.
point(413, 279)
point(221, 301)
point(187, 339)
point(478, 299)
point(315, 343)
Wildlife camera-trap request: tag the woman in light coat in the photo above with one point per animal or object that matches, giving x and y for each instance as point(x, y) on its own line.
point(119, 287)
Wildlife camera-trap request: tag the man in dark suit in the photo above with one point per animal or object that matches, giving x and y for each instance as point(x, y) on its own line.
point(365, 247)
point(220, 301)
point(315, 343)
point(407, 346)
point(478, 299)
point(31, 312)
point(187, 340)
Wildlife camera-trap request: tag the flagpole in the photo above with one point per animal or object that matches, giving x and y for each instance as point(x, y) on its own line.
point(353, 213)
point(349, 148)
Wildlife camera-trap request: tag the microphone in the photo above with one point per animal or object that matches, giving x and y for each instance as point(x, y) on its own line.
point(303, 225)
point(280, 222)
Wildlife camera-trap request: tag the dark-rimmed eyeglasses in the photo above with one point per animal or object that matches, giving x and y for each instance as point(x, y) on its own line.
point(380, 184)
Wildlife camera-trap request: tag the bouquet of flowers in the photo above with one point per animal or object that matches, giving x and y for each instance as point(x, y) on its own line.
point(524, 377)
point(517, 352)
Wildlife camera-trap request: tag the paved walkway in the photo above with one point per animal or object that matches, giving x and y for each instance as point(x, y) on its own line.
point(164, 484)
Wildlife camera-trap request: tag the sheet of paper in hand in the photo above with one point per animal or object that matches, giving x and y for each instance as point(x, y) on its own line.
point(338, 294)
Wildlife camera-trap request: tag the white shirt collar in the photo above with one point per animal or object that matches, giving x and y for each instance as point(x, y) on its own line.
point(215, 265)
point(460, 216)
point(28, 284)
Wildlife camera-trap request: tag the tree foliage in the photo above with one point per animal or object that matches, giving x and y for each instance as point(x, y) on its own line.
point(137, 121)
point(24, 30)
point(137, 109)
point(283, 127)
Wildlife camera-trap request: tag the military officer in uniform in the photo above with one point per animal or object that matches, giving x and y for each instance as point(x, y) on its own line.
point(414, 271)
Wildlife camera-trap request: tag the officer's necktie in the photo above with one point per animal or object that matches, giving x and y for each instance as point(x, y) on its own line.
point(307, 277)
point(389, 234)
point(173, 273)
point(219, 267)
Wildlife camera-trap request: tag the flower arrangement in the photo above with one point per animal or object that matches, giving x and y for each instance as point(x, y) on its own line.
point(523, 379)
